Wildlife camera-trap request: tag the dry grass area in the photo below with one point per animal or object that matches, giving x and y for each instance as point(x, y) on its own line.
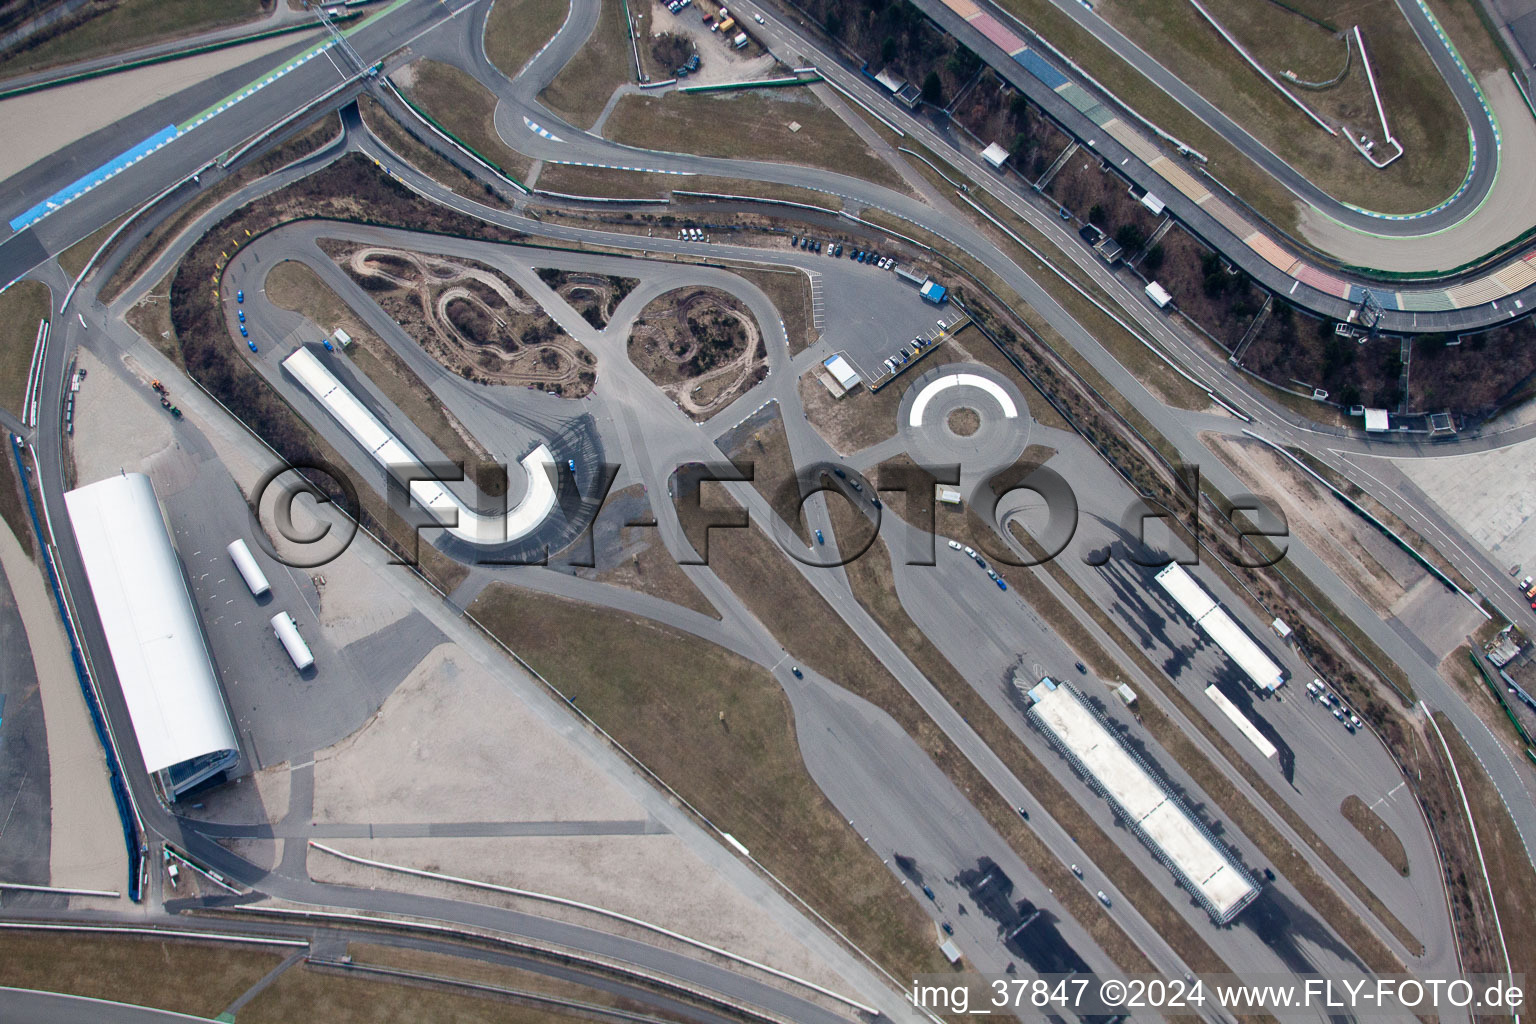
point(151, 318)
point(652, 570)
point(576, 180)
point(305, 992)
point(743, 772)
point(790, 293)
point(861, 417)
point(421, 155)
point(752, 126)
point(1314, 516)
point(195, 978)
point(13, 505)
point(873, 585)
point(22, 306)
point(301, 144)
point(1508, 863)
point(1377, 832)
point(468, 968)
point(594, 296)
point(767, 450)
point(1418, 102)
point(471, 318)
point(294, 286)
point(464, 107)
point(107, 28)
point(73, 260)
point(701, 346)
point(604, 62)
point(516, 29)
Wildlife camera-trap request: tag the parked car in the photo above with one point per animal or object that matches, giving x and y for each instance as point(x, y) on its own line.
point(948, 928)
point(929, 893)
point(819, 538)
point(240, 295)
point(1001, 584)
point(243, 332)
point(797, 673)
point(1082, 668)
point(955, 544)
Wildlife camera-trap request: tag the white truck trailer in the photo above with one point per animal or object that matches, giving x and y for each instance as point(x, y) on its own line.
point(254, 578)
point(288, 633)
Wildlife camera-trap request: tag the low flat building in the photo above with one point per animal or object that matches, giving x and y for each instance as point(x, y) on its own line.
point(1212, 619)
point(1157, 818)
point(842, 371)
point(995, 155)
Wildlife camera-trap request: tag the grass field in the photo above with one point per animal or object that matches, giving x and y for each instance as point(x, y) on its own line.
point(516, 29)
point(1414, 99)
point(127, 24)
point(417, 153)
point(195, 978)
point(1380, 835)
point(151, 317)
point(582, 88)
point(790, 293)
point(767, 449)
point(22, 306)
point(13, 506)
point(294, 286)
point(464, 107)
point(74, 259)
point(751, 126)
point(653, 570)
point(1419, 105)
point(306, 993)
point(744, 772)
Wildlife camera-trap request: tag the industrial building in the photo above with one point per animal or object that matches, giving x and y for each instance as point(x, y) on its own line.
point(1214, 621)
point(386, 449)
point(158, 649)
point(1186, 847)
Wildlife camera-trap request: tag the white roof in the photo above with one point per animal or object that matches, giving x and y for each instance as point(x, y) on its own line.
point(1153, 203)
point(1158, 294)
point(890, 81)
point(1220, 627)
point(459, 519)
point(842, 371)
point(1240, 720)
point(1376, 419)
point(995, 155)
point(152, 630)
point(1139, 797)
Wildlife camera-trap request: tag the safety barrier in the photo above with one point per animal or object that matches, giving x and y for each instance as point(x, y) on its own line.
point(125, 812)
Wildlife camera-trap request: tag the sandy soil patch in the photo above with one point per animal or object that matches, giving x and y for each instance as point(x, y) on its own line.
point(701, 346)
point(118, 429)
point(1322, 523)
point(655, 878)
point(451, 744)
point(471, 318)
point(86, 849)
point(46, 121)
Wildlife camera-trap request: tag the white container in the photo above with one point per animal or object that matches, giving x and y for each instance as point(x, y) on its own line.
point(254, 578)
point(288, 632)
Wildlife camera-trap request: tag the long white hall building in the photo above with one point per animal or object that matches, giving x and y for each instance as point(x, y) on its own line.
point(158, 649)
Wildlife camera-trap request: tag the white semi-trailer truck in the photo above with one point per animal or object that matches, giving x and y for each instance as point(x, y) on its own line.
point(254, 578)
point(288, 633)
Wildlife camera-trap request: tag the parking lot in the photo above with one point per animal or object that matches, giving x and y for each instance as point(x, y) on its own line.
point(872, 313)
